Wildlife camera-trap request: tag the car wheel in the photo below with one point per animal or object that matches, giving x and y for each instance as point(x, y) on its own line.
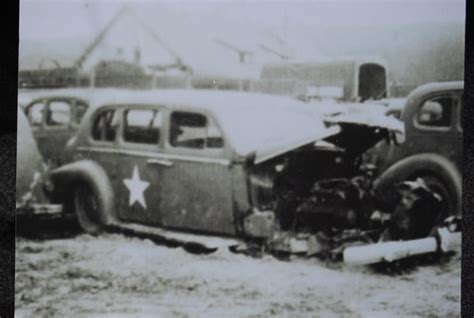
point(440, 173)
point(87, 207)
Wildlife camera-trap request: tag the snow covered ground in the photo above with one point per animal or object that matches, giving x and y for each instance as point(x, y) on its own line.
point(120, 276)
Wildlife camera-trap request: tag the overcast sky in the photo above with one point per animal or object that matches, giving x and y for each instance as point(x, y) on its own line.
point(50, 19)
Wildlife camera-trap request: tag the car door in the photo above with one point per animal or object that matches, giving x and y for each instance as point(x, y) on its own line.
point(195, 180)
point(137, 175)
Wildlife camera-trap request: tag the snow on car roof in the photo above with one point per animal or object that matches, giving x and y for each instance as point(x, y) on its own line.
point(212, 100)
point(264, 124)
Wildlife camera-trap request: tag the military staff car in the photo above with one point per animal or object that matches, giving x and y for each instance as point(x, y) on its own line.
point(180, 159)
point(31, 172)
point(195, 166)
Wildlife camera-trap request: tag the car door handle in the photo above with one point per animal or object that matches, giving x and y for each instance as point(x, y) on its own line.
point(166, 163)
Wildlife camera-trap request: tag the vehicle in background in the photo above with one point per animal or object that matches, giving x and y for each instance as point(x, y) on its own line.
point(31, 174)
point(432, 116)
point(344, 80)
point(54, 116)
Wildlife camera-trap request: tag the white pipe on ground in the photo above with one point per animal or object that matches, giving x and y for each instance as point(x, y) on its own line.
point(390, 251)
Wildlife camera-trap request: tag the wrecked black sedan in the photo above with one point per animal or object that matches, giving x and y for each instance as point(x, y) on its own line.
point(192, 166)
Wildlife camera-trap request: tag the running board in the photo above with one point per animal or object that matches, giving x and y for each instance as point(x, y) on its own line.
point(207, 241)
point(38, 209)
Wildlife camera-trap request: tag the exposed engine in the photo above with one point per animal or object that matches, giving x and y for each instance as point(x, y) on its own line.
point(324, 193)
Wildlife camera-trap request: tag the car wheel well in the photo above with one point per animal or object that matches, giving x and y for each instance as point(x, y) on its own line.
point(421, 165)
point(87, 172)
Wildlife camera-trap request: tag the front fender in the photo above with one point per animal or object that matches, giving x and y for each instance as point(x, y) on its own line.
point(86, 172)
point(419, 165)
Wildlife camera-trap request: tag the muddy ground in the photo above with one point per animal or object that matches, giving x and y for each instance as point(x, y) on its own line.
point(116, 275)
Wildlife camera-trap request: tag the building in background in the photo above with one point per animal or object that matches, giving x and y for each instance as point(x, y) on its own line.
point(160, 45)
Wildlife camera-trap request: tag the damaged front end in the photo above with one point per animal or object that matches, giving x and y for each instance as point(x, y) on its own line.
point(318, 199)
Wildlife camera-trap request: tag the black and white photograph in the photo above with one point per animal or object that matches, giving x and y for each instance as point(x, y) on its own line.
point(239, 158)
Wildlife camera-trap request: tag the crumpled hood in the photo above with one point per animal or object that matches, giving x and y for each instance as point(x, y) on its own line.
point(271, 151)
point(333, 108)
point(267, 131)
point(355, 133)
point(370, 120)
point(360, 132)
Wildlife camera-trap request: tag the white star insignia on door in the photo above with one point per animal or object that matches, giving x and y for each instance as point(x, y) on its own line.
point(136, 188)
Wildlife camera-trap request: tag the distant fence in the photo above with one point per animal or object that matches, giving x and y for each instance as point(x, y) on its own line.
point(276, 87)
point(287, 87)
point(57, 77)
point(70, 77)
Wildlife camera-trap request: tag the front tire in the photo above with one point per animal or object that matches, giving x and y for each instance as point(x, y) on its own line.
point(87, 207)
point(448, 200)
point(418, 219)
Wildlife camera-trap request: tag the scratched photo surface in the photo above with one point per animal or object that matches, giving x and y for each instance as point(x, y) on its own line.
point(239, 158)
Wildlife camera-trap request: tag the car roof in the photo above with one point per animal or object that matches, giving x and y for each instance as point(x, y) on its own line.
point(418, 95)
point(252, 122)
point(434, 87)
point(210, 100)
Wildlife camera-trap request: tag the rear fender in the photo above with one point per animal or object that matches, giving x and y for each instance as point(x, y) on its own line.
point(67, 177)
point(419, 165)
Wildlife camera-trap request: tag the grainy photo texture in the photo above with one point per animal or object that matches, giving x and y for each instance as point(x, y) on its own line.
point(239, 158)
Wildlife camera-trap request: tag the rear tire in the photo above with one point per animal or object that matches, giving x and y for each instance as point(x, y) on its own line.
point(87, 207)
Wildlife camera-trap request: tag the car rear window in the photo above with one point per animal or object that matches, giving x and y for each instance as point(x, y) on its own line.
point(193, 130)
point(142, 126)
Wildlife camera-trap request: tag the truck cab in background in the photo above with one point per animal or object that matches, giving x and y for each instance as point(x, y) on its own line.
point(433, 145)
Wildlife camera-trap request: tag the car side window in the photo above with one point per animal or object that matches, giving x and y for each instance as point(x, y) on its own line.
point(436, 112)
point(35, 113)
point(193, 130)
point(105, 126)
point(59, 113)
point(142, 126)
